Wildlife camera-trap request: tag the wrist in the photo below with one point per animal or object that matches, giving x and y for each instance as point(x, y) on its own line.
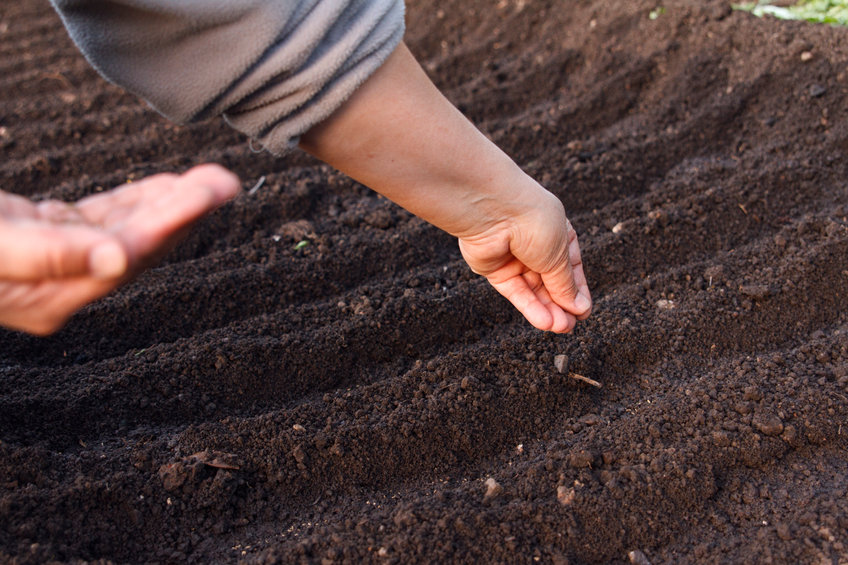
point(415, 148)
point(505, 198)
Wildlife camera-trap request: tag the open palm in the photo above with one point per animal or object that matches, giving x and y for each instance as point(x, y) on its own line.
point(56, 257)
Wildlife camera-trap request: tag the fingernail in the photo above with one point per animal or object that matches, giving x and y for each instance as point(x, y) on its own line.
point(107, 260)
point(582, 303)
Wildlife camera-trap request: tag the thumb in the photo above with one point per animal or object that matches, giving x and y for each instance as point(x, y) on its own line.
point(566, 283)
point(32, 251)
point(564, 290)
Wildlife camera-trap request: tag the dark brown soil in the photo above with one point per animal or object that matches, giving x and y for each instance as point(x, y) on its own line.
point(347, 401)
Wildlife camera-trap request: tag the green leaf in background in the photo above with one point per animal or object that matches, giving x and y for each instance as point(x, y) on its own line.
point(816, 11)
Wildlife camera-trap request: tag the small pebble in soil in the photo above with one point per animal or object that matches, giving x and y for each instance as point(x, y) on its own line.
point(638, 558)
point(664, 304)
point(493, 489)
point(561, 363)
point(817, 90)
point(618, 228)
point(565, 495)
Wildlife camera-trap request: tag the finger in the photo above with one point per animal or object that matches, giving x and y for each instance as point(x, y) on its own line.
point(579, 276)
point(32, 251)
point(170, 213)
point(566, 283)
point(13, 206)
point(562, 322)
point(525, 301)
point(43, 307)
point(544, 317)
point(160, 220)
point(114, 206)
point(223, 183)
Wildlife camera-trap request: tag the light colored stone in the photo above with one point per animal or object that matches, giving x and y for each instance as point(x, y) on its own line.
point(561, 363)
point(565, 495)
point(638, 558)
point(664, 304)
point(493, 488)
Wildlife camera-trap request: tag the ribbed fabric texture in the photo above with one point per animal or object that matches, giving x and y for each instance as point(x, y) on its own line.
point(272, 68)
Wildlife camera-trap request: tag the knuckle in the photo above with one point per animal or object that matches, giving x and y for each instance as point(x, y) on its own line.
point(53, 261)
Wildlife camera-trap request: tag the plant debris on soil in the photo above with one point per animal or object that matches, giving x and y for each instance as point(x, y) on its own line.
point(366, 397)
point(816, 11)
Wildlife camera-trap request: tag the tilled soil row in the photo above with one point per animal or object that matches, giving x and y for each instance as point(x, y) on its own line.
point(314, 375)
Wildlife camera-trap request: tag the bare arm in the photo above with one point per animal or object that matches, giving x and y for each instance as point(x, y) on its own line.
point(398, 135)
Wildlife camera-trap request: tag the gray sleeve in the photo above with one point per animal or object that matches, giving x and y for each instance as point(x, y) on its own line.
point(272, 68)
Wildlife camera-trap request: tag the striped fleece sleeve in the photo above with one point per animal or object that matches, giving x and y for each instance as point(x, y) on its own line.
point(271, 68)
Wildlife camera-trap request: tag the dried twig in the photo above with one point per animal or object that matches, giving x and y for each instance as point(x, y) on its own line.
point(587, 380)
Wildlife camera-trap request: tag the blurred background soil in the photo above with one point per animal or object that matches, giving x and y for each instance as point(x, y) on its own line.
point(315, 375)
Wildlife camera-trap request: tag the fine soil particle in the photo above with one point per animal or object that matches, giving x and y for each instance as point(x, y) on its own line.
point(255, 399)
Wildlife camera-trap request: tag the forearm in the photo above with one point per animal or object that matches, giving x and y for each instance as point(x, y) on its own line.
point(401, 137)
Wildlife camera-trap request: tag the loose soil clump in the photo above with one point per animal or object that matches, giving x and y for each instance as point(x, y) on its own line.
point(363, 396)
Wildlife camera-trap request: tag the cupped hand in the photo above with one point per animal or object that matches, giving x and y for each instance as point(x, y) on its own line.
point(56, 257)
point(533, 259)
